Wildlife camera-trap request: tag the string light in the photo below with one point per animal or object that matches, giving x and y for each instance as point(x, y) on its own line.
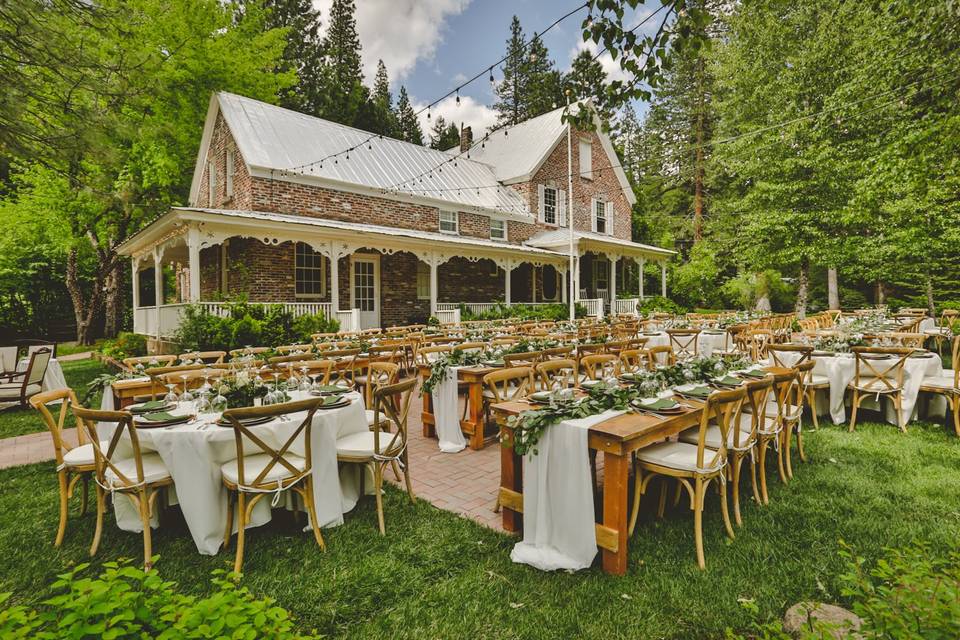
point(458, 96)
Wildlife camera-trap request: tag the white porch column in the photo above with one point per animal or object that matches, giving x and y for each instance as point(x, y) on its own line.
point(564, 285)
point(613, 281)
point(135, 280)
point(193, 249)
point(157, 288)
point(641, 263)
point(334, 282)
point(507, 276)
point(433, 287)
point(576, 277)
point(663, 278)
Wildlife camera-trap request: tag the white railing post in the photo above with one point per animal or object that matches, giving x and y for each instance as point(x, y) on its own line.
point(158, 288)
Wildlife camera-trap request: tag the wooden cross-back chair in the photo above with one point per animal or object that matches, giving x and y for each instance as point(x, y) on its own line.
point(205, 357)
point(294, 348)
point(280, 362)
point(74, 463)
point(320, 370)
point(770, 427)
point(376, 448)
point(379, 374)
point(878, 371)
point(429, 355)
point(792, 417)
point(551, 372)
point(789, 356)
point(633, 360)
point(757, 341)
point(684, 342)
point(522, 359)
point(469, 347)
point(592, 366)
point(345, 365)
point(248, 351)
point(661, 354)
point(261, 469)
point(948, 384)
point(140, 477)
point(694, 466)
point(903, 339)
point(558, 353)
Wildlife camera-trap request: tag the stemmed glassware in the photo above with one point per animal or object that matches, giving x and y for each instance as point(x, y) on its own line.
point(305, 383)
point(219, 402)
point(186, 396)
point(171, 397)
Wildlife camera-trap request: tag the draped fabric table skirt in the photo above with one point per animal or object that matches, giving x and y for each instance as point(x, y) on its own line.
point(53, 378)
point(707, 342)
point(194, 457)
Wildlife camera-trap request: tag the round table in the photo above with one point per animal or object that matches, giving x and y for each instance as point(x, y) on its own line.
point(53, 377)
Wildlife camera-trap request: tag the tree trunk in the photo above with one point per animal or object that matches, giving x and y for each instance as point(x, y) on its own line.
point(84, 310)
point(698, 169)
point(931, 307)
point(881, 293)
point(803, 288)
point(833, 291)
point(113, 302)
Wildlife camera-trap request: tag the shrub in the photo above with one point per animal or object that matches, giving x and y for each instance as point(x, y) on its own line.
point(501, 311)
point(201, 330)
point(659, 304)
point(257, 325)
point(125, 345)
point(306, 325)
point(246, 332)
point(125, 602)
point(276, 326)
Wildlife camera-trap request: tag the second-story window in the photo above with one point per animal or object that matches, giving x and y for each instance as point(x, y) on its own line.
point(586, 160)
point(550, 205)
point(600, 221)
point(498, 229)
point(228, 184)
point(449, 222)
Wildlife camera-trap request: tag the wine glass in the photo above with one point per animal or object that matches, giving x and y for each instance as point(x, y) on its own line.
point(171, 397)
point(293, 383)
point(305, 383)
point(186, 396)
point(203, 401)
point(219, 402)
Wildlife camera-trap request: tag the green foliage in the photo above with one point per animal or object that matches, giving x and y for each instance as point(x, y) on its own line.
point(125, 345)
point(248, 324)
point(555, 312)
point(246, 331)
point(659, 304)
point(408, 127)
point(308, 324)
point(126, 602)
point(694, 282)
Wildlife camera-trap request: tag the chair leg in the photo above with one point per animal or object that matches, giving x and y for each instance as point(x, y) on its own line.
point(956, 414)
point(663, 497)
point(312, 512)
point(724, 509)
point(64, 506)
point(637, 492)
point(698, 522)
point(898, 403)
point(812, 401)
point(396, 470)
point(764, 445)
point(378, 488)
point(853, 411)
point(228, 530)
point(406, 478)
point(787, 444)
point(98, 530)
point(753, 476)
point(735, 478)
point(241, 511)
point(803, 455)
point(781, 455)
point(145, 521)
point(84, 497)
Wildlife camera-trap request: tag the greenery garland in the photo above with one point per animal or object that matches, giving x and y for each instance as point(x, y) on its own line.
point(456, 358)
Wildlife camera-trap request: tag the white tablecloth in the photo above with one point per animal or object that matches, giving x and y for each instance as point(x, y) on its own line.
point(839, 370)
point(707, 343)
point(558, 521)
point(926, 324)
point(53, 378)
point(446, 413)
point(194, 456)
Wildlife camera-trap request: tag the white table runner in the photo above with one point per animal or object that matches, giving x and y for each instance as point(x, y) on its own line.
point(446, 413)
point(558, 516)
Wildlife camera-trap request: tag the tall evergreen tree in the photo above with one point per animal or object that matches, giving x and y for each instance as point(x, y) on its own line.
point(531, 85)
point(341, 75)
point(408, 128)
point(443, 135)
point(588, 80)
point(303, 53)
point(376, 114)
point(512, 87)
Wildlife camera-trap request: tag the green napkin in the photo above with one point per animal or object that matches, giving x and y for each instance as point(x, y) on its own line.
point(160, 416)
point(728, 381)
point(150, 405)
point(540, 396)
point(328, 388)
point(754, 373)
point(661, 403)
point(332, 399)
point(698, 392)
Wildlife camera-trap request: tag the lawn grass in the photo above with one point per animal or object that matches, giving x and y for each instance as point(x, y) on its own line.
point(17, 421)
point(436, 575)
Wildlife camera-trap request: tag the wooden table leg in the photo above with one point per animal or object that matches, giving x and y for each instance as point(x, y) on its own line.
point(511, 477)
point(426, 414)
point(615, 508)
point(475, 415)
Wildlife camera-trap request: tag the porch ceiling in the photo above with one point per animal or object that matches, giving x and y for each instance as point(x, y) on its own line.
point(587, 242)
point(326, 236)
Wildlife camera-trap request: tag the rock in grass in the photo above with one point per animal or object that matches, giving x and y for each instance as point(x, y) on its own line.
point(834, 621)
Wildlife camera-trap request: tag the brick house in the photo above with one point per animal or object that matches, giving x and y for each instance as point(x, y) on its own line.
point(390, 232)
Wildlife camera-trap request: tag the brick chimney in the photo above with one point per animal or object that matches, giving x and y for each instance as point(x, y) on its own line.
point(466, 137)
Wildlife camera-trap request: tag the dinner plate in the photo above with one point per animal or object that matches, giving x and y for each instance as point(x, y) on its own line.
point(141, 423)
point(328, 390)
point(247, 422)
point(754, 373)
point(492, 363)
point(539, 397)
point(342, 402)
point(659, 406)
point(729, 382)
point(150, 407)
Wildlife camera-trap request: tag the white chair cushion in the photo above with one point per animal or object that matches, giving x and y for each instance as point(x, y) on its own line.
point(359, 445)
point(369, 415)
point(790, 411)
point(253, 465)
point(871, 384)
point(82, 455)
point(153, 469)
point(943, 382)
point(713, 436)
point(677, 455)
point(11, 390)
point(817, 380)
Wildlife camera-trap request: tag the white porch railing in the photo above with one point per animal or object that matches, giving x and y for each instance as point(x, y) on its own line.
point(477, 308)
point(449, 316)
point(145, 319)
point(349, 320)
point(594, 307)
point(624, 306)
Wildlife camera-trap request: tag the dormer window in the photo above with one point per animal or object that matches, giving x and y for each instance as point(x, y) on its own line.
point(498, 229)
point(449, 222)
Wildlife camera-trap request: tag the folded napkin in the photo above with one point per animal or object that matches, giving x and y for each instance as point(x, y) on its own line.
point(332, 399)
point(754, 373)
point(698, 392)
point(728, 381)
point(160, 416)
point(150, 405)
point(660, 403)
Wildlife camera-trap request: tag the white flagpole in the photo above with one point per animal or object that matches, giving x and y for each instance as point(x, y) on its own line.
point(570, 269)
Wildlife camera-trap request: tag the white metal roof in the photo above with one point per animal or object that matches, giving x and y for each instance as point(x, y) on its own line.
point(281, 141)
point(558, 239)
point(516, 152)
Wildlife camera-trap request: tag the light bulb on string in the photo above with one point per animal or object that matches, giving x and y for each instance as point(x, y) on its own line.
point(458, 96)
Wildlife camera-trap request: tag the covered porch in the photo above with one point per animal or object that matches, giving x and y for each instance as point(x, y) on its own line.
point(366, 276)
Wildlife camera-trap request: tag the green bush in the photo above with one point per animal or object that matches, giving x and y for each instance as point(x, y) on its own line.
point(247, 332)
point(309, 324)
point(125, 345)
point(247, 324)
point(125, 602)
point(660, 305)
point(555, 312)
point(276, 326)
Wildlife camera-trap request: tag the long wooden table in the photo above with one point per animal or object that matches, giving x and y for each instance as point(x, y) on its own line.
point(617, 439)
point(473, 423)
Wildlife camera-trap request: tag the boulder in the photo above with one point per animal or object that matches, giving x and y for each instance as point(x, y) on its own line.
point(838, 622)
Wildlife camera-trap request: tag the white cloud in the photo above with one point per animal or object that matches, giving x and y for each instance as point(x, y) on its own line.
point(474, 114)
point(400, 32)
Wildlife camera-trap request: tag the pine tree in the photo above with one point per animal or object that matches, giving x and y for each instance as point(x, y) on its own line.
point(381, 87)
point(544, 82)
point(341, 76)
point(513, 85)
point(377, 113)
point(408, 128)
point(588, 80)
point(531, 85)
point(443, 135)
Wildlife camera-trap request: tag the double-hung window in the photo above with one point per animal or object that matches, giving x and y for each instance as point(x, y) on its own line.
point(498, 229)
point(310, 272)
point(449, 222)
point(550, 205)
point(600, 221)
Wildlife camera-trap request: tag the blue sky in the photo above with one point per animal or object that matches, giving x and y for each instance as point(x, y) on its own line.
point(431, 46)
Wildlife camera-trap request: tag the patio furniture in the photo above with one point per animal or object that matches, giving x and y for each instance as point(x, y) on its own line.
point(378, 375)
point(770, 428)
point(793, 415)
point(149, 361)
point(140, 477)
point(684, 342)
point(35, 344)
point(654, 356)
point(376, 449)
point(20, 386)
point(879, 372)
point(947, 385)
point(553, 373)
point(205, 357)
point(74, 463)
point(791, 355)
point(8, 359)
point(593, 367)
point(694, 466)
point(261, 469)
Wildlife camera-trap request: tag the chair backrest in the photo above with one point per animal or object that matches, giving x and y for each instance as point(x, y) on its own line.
point(294, 348)
point(429, 355)
point(248, 351)
point(503, 340)
point(468, 347)
point(248, 443)
point(878, 368)
point(205, 357)
point(392, 401)
point(558, 353)
point(380, 374)
point(684, 341)
point(551, 371)
point(278, 361)
point(788, 355)
point(522, 359)
point(661, 354)
point(8, 358)
point(193, 378)
point(35, 345)
point(346, 362)
point(166, 360)
point(316, 368)
point(757, 394)
point(632, 360)
point(903, 339)
point(593, 365)
point(514, 383)
point(616, 346)
point(757, 341)
point(37, 368)
point(105, 460)
point(590, 349)
point(722, 409)
point(67, 399)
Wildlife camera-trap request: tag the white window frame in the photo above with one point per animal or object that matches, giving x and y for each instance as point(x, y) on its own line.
point(585, 150)
point(455, 220)
point(231, 169)
point(211, 183)
point(596, 206)
point(423, 280)
point(321, 269)
point(499, 238)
